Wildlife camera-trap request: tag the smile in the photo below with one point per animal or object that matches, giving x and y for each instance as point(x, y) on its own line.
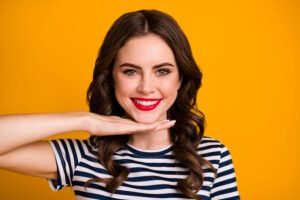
point(145, 104)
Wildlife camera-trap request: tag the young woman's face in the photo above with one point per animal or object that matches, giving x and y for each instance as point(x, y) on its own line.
point(146, 78)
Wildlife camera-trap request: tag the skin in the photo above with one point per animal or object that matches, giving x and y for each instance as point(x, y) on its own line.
point(145, 67)
point(23, 150)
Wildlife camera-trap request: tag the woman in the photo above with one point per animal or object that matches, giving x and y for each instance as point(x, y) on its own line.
point(146, 132)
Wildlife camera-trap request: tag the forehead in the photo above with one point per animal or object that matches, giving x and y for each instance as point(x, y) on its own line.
point(148, 50)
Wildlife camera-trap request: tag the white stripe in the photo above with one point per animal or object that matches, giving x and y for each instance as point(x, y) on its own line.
point(52, 186)
point(64, 179)
point(223, 178)
point(77, 152)
point(226, 158)
point(223, 187)
point(225, 168)
point(219, 149)
point(138, 183)
point(163, 168)
point(118, 196)
point(145, 160)
point(157, 191)
point(71, 159)
point(93, 164)
point(87, 170)
point(202, 145)
point(142, 174)
point(85, 148)
point(210, 150)
point(209, 158)
point(204, 193)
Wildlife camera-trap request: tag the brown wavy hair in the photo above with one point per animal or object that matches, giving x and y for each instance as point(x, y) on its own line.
point(190, 121)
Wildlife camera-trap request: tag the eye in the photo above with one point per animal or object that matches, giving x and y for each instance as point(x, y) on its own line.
point(129, 72)
point(163, 72)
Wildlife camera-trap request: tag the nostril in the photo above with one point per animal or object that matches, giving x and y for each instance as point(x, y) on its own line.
point(145, 88)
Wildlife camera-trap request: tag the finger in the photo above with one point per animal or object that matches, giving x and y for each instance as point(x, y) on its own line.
point(153, 126)
point(130, 127)
point(137, 127)
point(166, 125)
point(115, 117)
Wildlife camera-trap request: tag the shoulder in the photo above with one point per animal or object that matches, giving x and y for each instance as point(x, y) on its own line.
point(212, 150)
point(209, 144)
point(224, 183)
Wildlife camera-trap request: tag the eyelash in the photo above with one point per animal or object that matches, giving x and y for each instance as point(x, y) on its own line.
point(131, 72)
point(166, 71)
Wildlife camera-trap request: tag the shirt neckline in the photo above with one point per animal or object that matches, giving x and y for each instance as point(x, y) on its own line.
point(148, 153)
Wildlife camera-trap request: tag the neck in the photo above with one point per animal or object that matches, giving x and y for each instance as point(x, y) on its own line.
point(151, 140)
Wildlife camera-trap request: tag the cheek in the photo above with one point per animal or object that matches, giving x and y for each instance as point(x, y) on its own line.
point(169, 89)
point(124, 87)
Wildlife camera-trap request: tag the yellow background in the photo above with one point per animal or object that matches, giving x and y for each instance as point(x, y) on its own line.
point(248, 51)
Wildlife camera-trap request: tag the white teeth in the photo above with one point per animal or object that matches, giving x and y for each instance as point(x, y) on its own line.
point(146, 103)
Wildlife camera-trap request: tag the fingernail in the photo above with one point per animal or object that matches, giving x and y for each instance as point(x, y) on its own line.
point(166, 120)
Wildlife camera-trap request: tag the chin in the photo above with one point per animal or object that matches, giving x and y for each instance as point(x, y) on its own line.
point(145, 119)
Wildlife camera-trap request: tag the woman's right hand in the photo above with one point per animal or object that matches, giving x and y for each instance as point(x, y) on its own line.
point(22, 149)
point(113, 125)
point(22, 129)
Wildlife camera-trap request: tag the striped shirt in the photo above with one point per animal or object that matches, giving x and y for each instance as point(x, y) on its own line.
point(153, 173)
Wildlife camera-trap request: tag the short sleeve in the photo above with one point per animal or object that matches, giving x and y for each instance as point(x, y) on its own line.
point(225, 185)
point(68, 153)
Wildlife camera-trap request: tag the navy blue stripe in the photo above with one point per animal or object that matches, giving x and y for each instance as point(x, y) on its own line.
point(151, 187)
point(92, 168)
point(225, 191)
point(208, 147)
point(141, 169)
point(210, 154)
point(225, 153)
point(91, 159)
point(75, 157)
point(215, 162)
point(85, 174)
point(140, 187)
point(148, 154)
point(127, 193)
point(225, 163)
point(62, 160)
point(225, 182)
point(171, 157)
point(80, 147)
point(94, 196)
point(138, 194)
point(151, 178)
point(126, 161)
point(224, 173)
point(213, 147)
point(159, 196)
point(68, 154)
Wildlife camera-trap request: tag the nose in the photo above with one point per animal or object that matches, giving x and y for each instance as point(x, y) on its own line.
point(146, 85)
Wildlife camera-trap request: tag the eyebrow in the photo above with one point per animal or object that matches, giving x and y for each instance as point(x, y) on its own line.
point(139, 67)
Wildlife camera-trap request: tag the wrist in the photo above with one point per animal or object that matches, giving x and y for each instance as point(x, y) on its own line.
point(83, 120)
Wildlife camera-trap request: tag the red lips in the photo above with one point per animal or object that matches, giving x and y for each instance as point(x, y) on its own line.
point(145, 104)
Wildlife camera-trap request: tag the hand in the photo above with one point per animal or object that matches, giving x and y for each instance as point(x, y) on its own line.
point(112, 125)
